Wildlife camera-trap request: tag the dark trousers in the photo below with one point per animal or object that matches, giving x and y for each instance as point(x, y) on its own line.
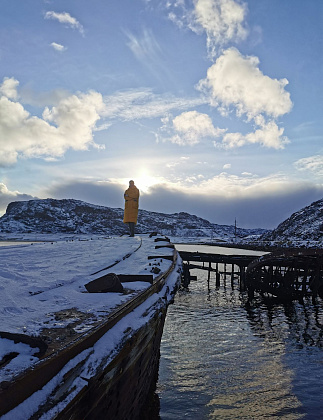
point(132, 228)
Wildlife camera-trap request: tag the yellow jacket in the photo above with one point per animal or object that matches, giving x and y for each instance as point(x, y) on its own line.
point(131, 197)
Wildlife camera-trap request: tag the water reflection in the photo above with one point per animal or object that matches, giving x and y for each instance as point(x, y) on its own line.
point(301, 323)
point(223, 357)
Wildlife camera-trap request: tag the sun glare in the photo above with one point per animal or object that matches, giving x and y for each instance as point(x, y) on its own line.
point(145, 181)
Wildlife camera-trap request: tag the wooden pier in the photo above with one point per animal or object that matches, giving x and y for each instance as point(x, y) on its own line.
point(288, 274)
point(231, 265)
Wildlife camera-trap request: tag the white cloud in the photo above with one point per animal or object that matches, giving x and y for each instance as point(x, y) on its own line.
point(144, 47)
point(191, 127)
point(253, 201)
point(228, 186)
point(227, 166)
point(303, 127)
point(28, 95)
point(70, 124)
point(65, 18)
point(5, 192)
point(268, 135)
point(7, 196)
point(147, 50)
point(312, 164)
point(9, 88)
point(143, 103)
point(71, 119)
point(58, 47)
point(256, 35)
point(235, 81)
point(223, 21)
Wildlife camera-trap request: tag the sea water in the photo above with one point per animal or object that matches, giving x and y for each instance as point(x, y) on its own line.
point(225, 357)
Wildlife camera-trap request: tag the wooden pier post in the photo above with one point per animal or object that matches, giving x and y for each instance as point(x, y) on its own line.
point(217, 276)
point(304, 282)
point(242, 278)
point(186, 275)
point(209, 274)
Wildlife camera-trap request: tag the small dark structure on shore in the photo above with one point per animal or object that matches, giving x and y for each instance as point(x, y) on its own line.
point(288, 274)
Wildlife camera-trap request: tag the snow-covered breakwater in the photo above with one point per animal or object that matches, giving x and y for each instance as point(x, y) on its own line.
point(44, 295)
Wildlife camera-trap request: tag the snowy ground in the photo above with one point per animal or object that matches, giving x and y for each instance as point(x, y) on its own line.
point(40, 279)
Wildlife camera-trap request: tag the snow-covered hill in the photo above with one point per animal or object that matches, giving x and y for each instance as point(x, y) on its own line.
point(50, 216)
point(74, 216)
point(303, 228)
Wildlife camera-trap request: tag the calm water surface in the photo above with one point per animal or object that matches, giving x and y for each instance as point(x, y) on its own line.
point(223, 357)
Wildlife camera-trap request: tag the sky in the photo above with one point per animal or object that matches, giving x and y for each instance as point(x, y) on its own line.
point(212, 107)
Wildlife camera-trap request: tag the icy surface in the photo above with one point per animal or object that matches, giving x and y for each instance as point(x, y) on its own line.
point(103, 350)
point(40, 279)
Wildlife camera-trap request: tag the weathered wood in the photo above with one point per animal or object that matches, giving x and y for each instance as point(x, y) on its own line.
point(290, 274)
point(209, 273)
point(239, 260)
point(126, 278)
point(242, 261)
point(112, 282)
point(160, 257)
point(165, 246)
point(107, 283)
point(217, 279)
point(162, 239)
point(201, 267)
point(24, 385)
point(33, 342)
point(119, 390)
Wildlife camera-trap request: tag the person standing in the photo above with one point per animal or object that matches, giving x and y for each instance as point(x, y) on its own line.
point(131, 197)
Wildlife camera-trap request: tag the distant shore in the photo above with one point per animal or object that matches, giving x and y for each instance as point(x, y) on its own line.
point(249, 247)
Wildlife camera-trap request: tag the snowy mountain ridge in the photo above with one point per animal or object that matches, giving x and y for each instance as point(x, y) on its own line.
point(50, 216)
point(303, 228)
point(77, 217)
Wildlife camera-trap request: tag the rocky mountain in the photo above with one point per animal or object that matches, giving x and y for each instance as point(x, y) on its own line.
point(303, 228)
point(74, 216)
